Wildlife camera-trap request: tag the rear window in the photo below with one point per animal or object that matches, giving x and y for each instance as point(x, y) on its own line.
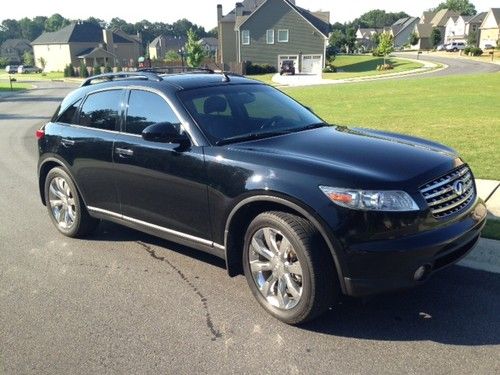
point(68, 116)
point(101, 110)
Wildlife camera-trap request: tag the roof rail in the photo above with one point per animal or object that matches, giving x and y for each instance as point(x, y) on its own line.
point(176, 70)
point(146, 75)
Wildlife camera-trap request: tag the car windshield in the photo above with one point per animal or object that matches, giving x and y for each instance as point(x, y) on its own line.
point(235, 113)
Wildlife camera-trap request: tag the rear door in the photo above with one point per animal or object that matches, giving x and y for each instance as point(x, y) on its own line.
point(87, 146)
point(160, 185)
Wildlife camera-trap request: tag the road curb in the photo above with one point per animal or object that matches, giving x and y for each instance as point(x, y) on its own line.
point(484, 257)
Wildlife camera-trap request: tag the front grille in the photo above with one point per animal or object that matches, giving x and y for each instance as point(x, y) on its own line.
point(441, 194)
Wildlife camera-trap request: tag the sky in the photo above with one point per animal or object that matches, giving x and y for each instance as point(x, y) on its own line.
point(204, 12)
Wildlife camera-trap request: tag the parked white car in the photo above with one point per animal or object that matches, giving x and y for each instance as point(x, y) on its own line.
point(441, 47)
point(455, 47)
point(22, 69)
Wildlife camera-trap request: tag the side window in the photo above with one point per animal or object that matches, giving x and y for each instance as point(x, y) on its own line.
point(147, 108)
point(68, 116)
point(101, 110)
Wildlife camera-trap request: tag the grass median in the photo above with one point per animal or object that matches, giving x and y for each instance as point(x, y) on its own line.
point(459, 111)
point(16, 86)
point(33, 77)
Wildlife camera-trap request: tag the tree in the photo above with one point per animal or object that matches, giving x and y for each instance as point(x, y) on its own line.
point(465, 7)
point(194, 50)
point(42, 62)
point(55, 22)
point(472, 38)
point(378, 18)
point(84, 73)
point(414, 39)
point(172, 56)
point(436, 37)
point(3, 62)
point(96, 21)
point(28, 58)
point(386, 45)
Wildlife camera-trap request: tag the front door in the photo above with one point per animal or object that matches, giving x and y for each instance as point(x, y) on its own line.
point(159, 185)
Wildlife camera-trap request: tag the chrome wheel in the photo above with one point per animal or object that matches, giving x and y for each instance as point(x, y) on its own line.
point(62, 203)
point(275, 268)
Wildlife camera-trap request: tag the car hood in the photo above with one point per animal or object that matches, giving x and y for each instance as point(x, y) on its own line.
point(376, 155)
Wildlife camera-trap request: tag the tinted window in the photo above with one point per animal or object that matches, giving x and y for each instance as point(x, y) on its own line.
point(68, 116)
point(147, 108)
point(101, 110)
point(225, 112)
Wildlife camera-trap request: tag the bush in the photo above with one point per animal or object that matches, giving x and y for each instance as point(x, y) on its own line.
point(467, 50)
point(66, 71)
point(84, 73)
point(376, 53)
point(96, 70)
point(253, 69)
point(119, 68)
point(330, 68)
point(108, 69)
point(385, 67)
point(476, 51)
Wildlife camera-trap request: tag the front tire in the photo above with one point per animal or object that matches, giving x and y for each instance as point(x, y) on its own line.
point(288, 267)
point(65, 205)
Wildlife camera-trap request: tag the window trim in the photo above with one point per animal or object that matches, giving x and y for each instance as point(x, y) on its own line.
point(243, 38)
point(287, 36)
point(268, 33)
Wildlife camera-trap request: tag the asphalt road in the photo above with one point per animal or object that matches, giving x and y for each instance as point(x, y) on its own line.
point(456, 65)
point(124, 302)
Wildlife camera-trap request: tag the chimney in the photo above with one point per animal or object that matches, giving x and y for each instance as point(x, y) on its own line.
point(219, 12)
point(238, 10)
point(107, 36)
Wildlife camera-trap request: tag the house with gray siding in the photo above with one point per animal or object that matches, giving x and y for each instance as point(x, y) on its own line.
point(402, 30)
point(270, 31)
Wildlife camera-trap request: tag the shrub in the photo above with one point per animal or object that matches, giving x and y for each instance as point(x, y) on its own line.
point(108, 69)
point(66, 71)
point(71, 70)
point(330, 68)
point(476, 51)
point(119, 68)
point(84, 73)
point(467, 50)
point(97, 70)
point(253, 69)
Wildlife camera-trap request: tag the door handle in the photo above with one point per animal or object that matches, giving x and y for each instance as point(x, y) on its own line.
point(123, 152)
point(67, 142)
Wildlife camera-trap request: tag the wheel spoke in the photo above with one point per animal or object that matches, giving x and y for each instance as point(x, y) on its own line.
point(54, 189)
point(71, 213)
point(260, 249)
point(62, 213)
point(281, 294)
point(270, 236)
point(285, 246)
point(294, 268)
point(56, 203)
point(267, 287)
point(292, 286)
point(259, 266)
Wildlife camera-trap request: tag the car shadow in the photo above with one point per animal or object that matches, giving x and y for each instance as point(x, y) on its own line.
point(108, 231)
point(457, 306)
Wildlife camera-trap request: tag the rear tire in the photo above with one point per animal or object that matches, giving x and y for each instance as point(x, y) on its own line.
point(65, 205)
point(288, 268)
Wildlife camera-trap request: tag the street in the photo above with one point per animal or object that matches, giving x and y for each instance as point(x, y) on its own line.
point(124, 302)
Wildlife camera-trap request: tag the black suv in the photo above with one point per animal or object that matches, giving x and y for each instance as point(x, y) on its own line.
point(307, 211)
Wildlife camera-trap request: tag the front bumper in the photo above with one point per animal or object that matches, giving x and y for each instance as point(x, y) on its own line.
point(388, 265)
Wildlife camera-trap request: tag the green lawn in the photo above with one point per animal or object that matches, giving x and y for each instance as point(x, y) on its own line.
point(352, 66)
point(492, 230)
point(266, 78)
point(459, 111)
point(5, 86)
point(34, 77)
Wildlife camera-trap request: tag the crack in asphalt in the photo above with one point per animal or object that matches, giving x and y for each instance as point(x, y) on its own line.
point(215, 333)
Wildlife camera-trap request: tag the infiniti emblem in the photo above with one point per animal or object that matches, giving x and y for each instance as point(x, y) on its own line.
point(458, 187)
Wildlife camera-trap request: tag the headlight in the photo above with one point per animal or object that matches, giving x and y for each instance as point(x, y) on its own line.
point(369, 200)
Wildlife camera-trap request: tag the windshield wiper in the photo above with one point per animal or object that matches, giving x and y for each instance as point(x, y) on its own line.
point(309, 127)
point(250, 137)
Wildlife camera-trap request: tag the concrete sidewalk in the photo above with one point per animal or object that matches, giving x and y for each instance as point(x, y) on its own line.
point(489, 191)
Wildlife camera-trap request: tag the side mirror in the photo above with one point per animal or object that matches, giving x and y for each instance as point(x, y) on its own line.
point(165, 132)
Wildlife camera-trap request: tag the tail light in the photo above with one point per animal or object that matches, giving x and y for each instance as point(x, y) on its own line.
point(40, 133)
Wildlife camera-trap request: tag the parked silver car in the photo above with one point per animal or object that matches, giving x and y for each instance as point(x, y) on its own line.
point(24, 69)
point(11, 69)
point(455, 47)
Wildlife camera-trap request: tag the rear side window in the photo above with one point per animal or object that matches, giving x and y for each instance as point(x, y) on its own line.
point(69, 115)
point(147, 108)
point(101, 110)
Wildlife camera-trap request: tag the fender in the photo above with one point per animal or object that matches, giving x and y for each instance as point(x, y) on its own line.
point(62, 163)
point(299, 207)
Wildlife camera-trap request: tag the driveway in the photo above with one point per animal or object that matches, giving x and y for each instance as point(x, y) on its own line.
point(124, 302)
point(456, 66)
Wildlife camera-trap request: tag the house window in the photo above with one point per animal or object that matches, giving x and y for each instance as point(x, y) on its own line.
point(283, 36)
point(245, 37)
point(270, 37)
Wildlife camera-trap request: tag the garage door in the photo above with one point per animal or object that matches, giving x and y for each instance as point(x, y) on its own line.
point(312, 64)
